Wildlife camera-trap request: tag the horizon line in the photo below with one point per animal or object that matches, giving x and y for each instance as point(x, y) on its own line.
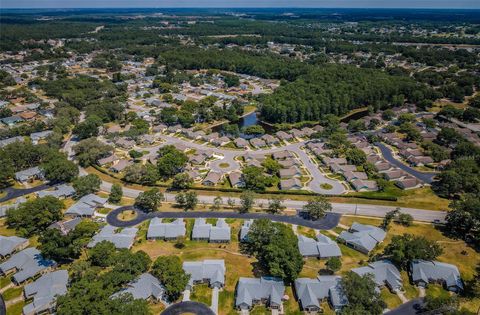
point(240, 7)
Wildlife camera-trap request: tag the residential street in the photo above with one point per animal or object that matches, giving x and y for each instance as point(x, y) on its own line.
point(388, 155)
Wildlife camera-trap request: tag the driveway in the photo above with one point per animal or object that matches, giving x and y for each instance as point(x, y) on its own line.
point(406, 308)
point(187, 308)
point(214, 306)
point(388, 155)
point(327, 223)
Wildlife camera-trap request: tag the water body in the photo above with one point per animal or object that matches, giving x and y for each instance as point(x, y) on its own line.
point(248, 120)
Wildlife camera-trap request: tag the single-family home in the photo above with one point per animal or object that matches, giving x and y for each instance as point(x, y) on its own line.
point(253, 291)
point(240, 143)
point(37, 136)
point(120, 166)
point(29, 174)
point(424, 272)
point(11, 244)
point(66, 226)
point(364, 185)
point(312, 292)
point(26, 264)
point(144, 287)
point(323, 247)
point(282, 135)
point(290, 184)
point(282, 155)
point(384, 273)
point(166, 230)
point(86, 206)
point(60, 191)
point(121, 238)
point(408, 182)
point(203, 231)
point(236, 179)
point(212, 178)
point(45, 291)
point(362, 237)
point(211, 271)
point(257, 143)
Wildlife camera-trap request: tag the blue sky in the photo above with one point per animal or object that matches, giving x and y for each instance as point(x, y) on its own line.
point(458, 4)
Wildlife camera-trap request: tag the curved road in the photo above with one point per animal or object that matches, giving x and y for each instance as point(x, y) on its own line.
point(318, 178)
point(388, 155)
point(15, 192)
point(189, 307)
point(329, 222)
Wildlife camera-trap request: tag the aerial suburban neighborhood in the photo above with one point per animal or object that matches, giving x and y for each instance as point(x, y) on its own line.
point(239, 161)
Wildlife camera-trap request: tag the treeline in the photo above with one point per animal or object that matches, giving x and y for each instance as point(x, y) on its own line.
point(335, 89)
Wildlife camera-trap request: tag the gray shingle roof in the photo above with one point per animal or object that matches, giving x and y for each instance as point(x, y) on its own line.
point(61, 191)
point(27, 262)
point(250, 289)
point(121, 239)
point(144, 287)
point(86, 205)
point(203, 230)
point(8, 244)
point(323, 247)
point(311, 292)
point(212, 271)
point(29, 173)
point(159, 229)
point(384, 272)
point(427, 271)
point(45, 290)
point(363, 237)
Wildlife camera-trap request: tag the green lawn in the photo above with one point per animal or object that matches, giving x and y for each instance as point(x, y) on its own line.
point(12, 293)
point(390, 298)
point(16, 309)
point(202, 293)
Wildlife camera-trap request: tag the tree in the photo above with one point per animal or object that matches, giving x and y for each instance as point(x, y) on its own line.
point(149, 200)
point(404, 248)
point(271, 166)
point(87, 184)
point(187, 200)
point(356, 156)
point(255, 130)
point(254, 178)
point(404, 219)
point(88, 128)
point(169, 270)
point(363, 298)
point(102, 254)
point(34, 216)
point(182, 181)
point(116, 194)
point(246, 201)
point(59, 169)
point(442, 304)
point(231, 202)
point(276, 248)
point(141, 174)
point(217, 203)
point(317, 207)
point(464, 220)
point(275, 205)
point(171, 161)
point(389, 216)
point(60, 247)
point(89, 151)
point(334, 264)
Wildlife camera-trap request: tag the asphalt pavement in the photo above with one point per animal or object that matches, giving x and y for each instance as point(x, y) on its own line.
point(328, 222)
point(388, 155)
point(189, 307)
point(16, 192)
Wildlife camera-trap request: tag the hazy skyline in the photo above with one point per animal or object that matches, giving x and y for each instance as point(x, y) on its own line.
point(433, 4)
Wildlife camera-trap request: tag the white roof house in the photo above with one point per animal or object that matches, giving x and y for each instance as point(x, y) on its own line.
point(163, 230)
point(211, 271)
point(121, 239)
point(322, 247)
point(363, 238)
point(61, 191)
point(45, 291)
point(28, 174)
